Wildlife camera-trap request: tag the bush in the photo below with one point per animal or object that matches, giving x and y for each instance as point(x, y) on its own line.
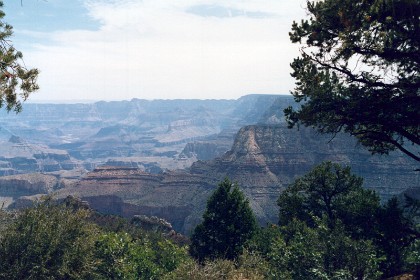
point(122, 257)
point(249, 267)
point(48, 241)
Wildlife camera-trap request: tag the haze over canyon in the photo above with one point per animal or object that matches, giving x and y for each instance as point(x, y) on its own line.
point(165, 157)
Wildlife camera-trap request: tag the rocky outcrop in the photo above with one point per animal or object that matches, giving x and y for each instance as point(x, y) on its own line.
point(211, 148)
point(61, 135)
point(18, 156)
point(152, 223)
point(145, 138)
point(19, 191)
point(174, 196)
point(200, 150)
point(27, 184)
point(263, 160)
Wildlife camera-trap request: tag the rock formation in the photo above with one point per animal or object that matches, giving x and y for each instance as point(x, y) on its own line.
point(264, 159)
point(140, 140)
point(52, 137)
point(19, 156)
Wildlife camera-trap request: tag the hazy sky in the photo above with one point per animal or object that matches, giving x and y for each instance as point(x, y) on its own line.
point(124, 49)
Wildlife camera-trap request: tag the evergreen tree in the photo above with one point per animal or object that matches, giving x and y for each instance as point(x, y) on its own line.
point(16, 82)
point(331, 190)
point(228, 222)
point(334, 196)
point(359, 72)
point(397, 233)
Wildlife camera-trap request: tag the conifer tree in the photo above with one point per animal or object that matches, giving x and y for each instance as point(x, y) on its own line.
point(16, 81)
point(228, 222)
point(358, 72)
point(330, 190)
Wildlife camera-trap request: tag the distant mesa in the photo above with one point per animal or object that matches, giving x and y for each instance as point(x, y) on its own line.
point(16, 139)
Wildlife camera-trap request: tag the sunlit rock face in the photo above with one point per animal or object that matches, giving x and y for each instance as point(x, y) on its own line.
point(152, 134)
point(165, 158)
point(264, 160)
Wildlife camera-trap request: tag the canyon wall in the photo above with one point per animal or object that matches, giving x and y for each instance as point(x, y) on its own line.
point(264, 160)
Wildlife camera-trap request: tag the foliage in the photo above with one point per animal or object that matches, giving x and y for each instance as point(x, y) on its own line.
point(359, 72)
point(324, 253)
point(298, 251)
point(59, 241)
point(48, 241)
point(413, 258)
point(412, 214)
point(249, 266)
point(122, 258)
point(327, 220)
point(330, 190)
point(396, 238)
point(16, 82)
point(263, 239)
point(228, 222)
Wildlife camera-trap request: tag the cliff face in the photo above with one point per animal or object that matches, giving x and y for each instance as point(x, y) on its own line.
point(51, 137)
point(19, 156)
point(263, 160)
point(27, 184)
point(14, 189)
point(266, 159)
point(178, 197)
point(140, 139)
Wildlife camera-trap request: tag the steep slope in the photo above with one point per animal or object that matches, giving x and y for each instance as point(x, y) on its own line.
point(176, 196)
point(138, 136)
point(127, 132)
point(19, 156)
point(264, 159)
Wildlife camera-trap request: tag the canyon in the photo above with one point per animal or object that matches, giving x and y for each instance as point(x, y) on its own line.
point(148, 134)
point(174, 168)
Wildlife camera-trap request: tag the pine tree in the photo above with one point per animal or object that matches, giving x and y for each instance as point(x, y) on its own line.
point(16, 82)
point(228, 222)
point(359, 72)
point(330, 190)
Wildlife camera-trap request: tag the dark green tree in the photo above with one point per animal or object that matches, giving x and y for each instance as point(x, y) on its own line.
point(320, 252)
point(330, 190)
point(228, 222)
point(332, 195)
point(359, 72)
point(16, 81)
point(397, 233)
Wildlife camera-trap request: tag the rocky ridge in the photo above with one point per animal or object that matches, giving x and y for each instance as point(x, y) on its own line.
point(264, 159)
point(150, 134)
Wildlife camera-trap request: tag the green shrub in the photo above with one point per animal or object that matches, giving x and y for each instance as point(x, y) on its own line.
point(218, 269)
point(122, 257)
point(48, 241)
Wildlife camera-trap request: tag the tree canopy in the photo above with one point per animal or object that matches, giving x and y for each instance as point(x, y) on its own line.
point(228, 223)
point(358, 72)
point(16, 81)
point(333, 191)
point(330, 201)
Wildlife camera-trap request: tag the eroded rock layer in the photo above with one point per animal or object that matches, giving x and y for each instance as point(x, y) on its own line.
point(264, 159)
